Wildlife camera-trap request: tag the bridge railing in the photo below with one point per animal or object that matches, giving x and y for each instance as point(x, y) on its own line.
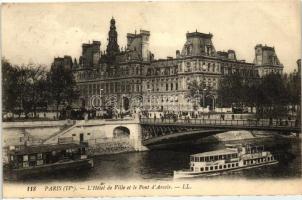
point(226, 123)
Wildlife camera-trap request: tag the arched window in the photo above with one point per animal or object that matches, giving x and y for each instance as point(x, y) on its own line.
point(180, 67)
point(189, 66)
point(149, 72)
point(167, 71)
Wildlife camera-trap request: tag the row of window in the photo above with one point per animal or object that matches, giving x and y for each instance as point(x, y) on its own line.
point(94, 89)
point(29, 160)
point(30, 157)
point(208, 68)
point(243, 72)
point(162, 99)
point(162, 87)
point(195, 66)
point(203, 66)
point(208, 50)
point(32, 163)
point(211, 168)
point(109, 73)
point(162, 71)
point(213, 158)
point(268, 71)
point(258, 160)
point(207, 81)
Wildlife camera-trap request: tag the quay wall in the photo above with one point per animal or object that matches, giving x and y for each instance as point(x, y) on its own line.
point(17, 136)
point(15, 133)
point(33, 124)
point(98, 133)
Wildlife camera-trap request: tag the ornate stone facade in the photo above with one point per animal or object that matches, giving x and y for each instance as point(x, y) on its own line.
point(130, 77)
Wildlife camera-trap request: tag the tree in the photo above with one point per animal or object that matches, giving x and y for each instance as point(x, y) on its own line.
point(24, 87)
point(272, 96)
point(197, 90)
point(9, 85)
point(31, 86)
point(294, 91)
point(38, 87)
point(62, 86)
point(251, 93)
point(294, 88)
point(231, 90)
point(269, 94)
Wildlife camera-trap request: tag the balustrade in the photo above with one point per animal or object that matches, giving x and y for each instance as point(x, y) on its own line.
point(250, 123)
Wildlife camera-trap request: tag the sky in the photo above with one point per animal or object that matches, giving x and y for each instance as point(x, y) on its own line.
point(39, 32)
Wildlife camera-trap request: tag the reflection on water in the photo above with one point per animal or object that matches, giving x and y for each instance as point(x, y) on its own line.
point(159, 164)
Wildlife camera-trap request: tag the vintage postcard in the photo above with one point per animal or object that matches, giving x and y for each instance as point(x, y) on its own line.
point(111, 99)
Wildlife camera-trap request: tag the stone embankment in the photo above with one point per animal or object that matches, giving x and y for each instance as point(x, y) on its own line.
point(111, 146)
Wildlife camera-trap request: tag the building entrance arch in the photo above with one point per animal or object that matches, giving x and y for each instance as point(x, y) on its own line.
point(83, 102)
point(210, 101)
point(126, 103)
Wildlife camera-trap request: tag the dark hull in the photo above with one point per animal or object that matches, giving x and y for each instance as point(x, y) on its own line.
point(13, 174)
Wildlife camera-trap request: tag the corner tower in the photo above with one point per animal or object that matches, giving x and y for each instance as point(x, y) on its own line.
point(140, 44)
point(266, 60)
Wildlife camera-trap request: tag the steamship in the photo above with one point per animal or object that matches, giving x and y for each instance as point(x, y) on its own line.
point(232, 158)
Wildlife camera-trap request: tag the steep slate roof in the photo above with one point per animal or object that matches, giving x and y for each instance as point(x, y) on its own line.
point(198, 41)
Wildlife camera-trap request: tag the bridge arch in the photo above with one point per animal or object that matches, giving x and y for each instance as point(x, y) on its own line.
point(121, 132)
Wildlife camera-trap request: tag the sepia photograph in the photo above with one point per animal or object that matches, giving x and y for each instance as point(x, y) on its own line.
point(108, 99)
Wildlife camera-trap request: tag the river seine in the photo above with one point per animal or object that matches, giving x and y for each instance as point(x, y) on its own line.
point(159, 164)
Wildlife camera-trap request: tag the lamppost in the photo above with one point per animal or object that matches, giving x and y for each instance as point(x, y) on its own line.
point(203, 96)
point(101, 92)
point(101, 103)
point(196, 99)
point(149, 90)
point(101, 98)
point(122, 105)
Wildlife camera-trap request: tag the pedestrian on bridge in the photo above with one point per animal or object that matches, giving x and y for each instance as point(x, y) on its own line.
point(270, 121)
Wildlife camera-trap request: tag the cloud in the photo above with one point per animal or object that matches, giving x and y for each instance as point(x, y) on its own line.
point(39, 32)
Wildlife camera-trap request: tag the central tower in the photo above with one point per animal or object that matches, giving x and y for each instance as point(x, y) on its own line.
point(112, 47)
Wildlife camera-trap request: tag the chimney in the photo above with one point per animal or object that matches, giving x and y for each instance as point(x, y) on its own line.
point(177, 53)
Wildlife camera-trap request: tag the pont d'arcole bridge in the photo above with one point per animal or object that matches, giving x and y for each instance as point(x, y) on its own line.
point(160, 131)
point(143, 132)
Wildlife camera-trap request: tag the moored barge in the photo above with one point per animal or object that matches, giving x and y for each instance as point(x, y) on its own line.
point(25, 160)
